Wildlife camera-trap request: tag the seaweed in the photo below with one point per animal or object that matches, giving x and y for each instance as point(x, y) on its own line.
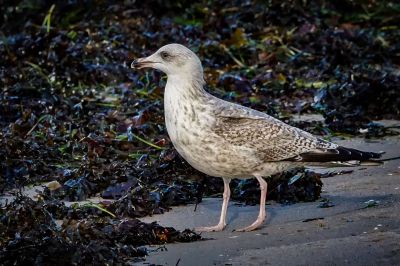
point(72, 112)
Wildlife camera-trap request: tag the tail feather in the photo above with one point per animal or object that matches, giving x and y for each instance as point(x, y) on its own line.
point(391, 159)
point(341, 155)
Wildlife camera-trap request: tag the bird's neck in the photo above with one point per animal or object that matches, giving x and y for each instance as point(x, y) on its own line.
point(181, 98)
point(186, 87)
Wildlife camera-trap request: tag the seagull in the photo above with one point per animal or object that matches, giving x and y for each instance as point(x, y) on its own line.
point(228, 140)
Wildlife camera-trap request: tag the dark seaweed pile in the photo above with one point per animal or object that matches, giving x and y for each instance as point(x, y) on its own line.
point(31, 235)
point(72, 111)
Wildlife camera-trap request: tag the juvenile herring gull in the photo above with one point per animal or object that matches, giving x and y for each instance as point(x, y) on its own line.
point(227, 140)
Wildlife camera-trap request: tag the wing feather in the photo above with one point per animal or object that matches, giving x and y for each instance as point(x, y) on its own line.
point(271, 139)
point(274, 140)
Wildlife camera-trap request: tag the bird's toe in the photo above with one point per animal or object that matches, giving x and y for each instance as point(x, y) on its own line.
point(254, 226)
point(216, 228)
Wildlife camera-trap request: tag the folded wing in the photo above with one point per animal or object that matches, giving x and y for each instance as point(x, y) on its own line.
point(273, 140)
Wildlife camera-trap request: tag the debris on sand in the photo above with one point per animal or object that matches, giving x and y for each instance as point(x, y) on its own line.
point(47, 232)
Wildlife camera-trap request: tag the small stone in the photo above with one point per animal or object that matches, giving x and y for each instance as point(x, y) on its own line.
point(371, 203)
point(53, 185)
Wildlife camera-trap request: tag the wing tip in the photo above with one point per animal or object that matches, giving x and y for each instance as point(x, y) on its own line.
point(340, 154)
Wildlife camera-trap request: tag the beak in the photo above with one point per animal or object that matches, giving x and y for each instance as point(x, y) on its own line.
point(142, 63)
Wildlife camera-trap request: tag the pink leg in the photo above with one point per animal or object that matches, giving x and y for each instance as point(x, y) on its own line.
point(222, 220)
point(262, 214)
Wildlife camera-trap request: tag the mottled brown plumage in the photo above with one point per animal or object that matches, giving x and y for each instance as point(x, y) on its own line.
point(228, 140)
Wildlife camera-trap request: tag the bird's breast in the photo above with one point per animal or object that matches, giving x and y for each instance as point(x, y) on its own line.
point(190, 129)
point(190, 125)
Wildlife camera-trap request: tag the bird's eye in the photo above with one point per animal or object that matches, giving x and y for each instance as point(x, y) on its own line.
point(164, 55)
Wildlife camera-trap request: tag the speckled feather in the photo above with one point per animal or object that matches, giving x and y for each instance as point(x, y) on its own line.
point(228, 140)
point(272, 139)
point(225, 139)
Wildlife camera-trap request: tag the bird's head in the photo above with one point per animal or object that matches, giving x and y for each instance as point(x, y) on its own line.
point(172, 59)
